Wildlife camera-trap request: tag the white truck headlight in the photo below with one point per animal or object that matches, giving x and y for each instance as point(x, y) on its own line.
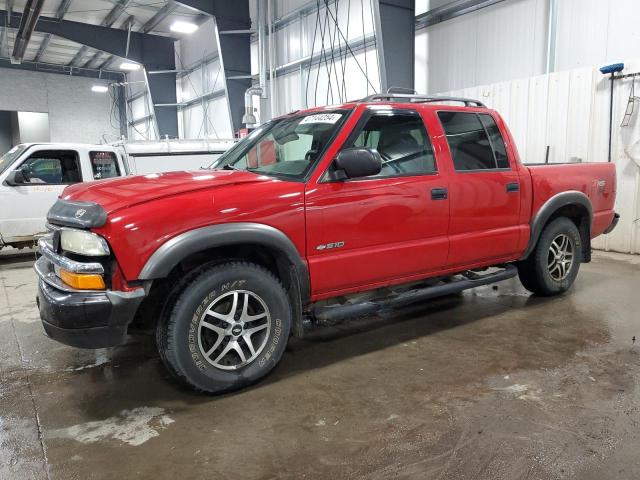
point(83, 243)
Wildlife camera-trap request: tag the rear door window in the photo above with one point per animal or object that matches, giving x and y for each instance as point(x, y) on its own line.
point(104, 165)
point(474, 140)
point(53, 167)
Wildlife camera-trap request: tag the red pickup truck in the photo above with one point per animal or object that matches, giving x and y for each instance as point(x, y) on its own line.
point(319, 214)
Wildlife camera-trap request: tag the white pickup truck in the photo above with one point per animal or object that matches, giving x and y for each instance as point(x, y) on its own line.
point(33, 175)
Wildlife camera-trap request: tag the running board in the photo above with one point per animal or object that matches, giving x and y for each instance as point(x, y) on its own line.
point(335, 312)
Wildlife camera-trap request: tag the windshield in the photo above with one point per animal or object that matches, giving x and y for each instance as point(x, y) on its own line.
point(286, 147)
point(8, 158)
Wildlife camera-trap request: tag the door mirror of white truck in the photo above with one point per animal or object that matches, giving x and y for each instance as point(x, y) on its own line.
point(359, 162)
point(16, 178)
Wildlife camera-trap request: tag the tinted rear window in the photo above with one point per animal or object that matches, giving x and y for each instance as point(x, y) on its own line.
point(104, 165)
point(474, 141)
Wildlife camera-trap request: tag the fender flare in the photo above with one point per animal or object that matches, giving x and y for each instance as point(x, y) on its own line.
point(558, 201)
point(173, 251)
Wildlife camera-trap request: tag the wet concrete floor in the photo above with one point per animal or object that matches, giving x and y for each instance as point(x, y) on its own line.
point(490, 384)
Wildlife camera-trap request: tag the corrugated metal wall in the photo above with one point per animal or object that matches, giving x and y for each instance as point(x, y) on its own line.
point(569, 112)
point(505, 41)
point(509, 40)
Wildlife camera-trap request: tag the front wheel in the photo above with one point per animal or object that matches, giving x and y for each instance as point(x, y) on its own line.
point(553, 266)
point(228, 329)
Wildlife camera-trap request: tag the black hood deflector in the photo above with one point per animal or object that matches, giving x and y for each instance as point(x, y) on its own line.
point(70, 213)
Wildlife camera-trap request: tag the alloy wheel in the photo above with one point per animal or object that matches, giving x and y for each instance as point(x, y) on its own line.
point(560, 257)
point(234, 329)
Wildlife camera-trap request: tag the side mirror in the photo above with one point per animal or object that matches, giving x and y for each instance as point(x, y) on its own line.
point(16, 178)
point(359, 162)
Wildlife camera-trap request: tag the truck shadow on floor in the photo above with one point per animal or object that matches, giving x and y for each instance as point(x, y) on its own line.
point(330, 344)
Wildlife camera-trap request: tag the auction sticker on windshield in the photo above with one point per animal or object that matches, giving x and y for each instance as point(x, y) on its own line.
point(321, 118)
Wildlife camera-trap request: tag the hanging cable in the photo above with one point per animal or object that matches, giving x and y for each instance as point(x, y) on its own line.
point(355, 58)
point(332, 37)
point(344, 59)
point(313, 45)
point(375, 34)
point(315, 93)
point(364, 35)
point(324, 58)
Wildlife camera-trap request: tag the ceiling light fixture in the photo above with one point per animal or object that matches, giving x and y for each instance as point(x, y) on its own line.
point(100, 89)
point(183, 27)
point(129, 66)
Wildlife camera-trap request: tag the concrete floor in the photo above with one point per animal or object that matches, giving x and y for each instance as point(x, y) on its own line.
point(490, 384)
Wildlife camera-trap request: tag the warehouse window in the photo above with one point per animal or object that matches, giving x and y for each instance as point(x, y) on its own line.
point(52, 167)
point(402, 141)
point(104, 165)
point(474, 141)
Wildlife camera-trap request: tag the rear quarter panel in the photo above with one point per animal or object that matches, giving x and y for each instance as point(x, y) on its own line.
point(596, 180)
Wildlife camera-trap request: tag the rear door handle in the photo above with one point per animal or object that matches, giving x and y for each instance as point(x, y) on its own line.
point(439, 194)
point(513, 187)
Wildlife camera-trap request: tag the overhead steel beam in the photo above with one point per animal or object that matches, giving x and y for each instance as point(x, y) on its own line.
point(115, 13)
point(451, 10)
point(154, 52)
point(63, 70)
point(130, 21)
point(160, 15)
point(395, 40)
point(28, 21)
point(108, 21)
point(234, 49)
point(60, 13)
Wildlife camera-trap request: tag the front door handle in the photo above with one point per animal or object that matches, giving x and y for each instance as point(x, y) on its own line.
point(513, 187)
point(439, 194)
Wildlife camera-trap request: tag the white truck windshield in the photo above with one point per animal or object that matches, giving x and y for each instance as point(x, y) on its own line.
point(8, 158)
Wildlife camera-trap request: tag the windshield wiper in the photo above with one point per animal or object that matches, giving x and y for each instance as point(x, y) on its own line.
point(230, 167)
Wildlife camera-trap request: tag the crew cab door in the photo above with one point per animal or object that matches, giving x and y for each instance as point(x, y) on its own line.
point(23, 207)
point(387, 228)
point(484, 189)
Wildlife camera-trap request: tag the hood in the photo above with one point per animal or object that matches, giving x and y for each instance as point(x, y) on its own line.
point(118, 193)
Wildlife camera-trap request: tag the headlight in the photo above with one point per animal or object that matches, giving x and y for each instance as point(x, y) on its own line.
point(83, 243)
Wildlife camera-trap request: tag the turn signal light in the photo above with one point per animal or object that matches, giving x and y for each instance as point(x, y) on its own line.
point(82, 281)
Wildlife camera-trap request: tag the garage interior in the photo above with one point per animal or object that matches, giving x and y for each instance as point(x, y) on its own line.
point(492, 382)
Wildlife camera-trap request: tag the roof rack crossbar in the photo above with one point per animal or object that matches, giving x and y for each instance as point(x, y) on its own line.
point(410, 98)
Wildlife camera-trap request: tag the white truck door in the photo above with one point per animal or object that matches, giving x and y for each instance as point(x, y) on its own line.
point(45, 173)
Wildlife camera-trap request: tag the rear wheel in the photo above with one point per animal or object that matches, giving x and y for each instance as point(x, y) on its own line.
point(553, 265)
point(228, 329)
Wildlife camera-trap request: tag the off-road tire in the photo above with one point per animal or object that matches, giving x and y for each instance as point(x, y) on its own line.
point(177, 332)
point(534, 272)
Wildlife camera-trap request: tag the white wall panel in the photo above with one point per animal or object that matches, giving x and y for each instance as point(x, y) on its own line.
point(536, 132)
point(593, 32)
point(191, 49)
point(199, 53)
point(556, 122)
point(504, 41)
point(76, 114)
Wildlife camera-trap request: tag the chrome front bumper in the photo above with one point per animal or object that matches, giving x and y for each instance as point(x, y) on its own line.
point(81, 318)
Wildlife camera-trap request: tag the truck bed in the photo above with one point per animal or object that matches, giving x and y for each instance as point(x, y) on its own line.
point(596, 180)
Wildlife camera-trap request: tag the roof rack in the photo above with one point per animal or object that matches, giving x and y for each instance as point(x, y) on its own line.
point(407, 97)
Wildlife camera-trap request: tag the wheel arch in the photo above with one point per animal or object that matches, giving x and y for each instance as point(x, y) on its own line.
point(572, 204)
point(261, 243)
